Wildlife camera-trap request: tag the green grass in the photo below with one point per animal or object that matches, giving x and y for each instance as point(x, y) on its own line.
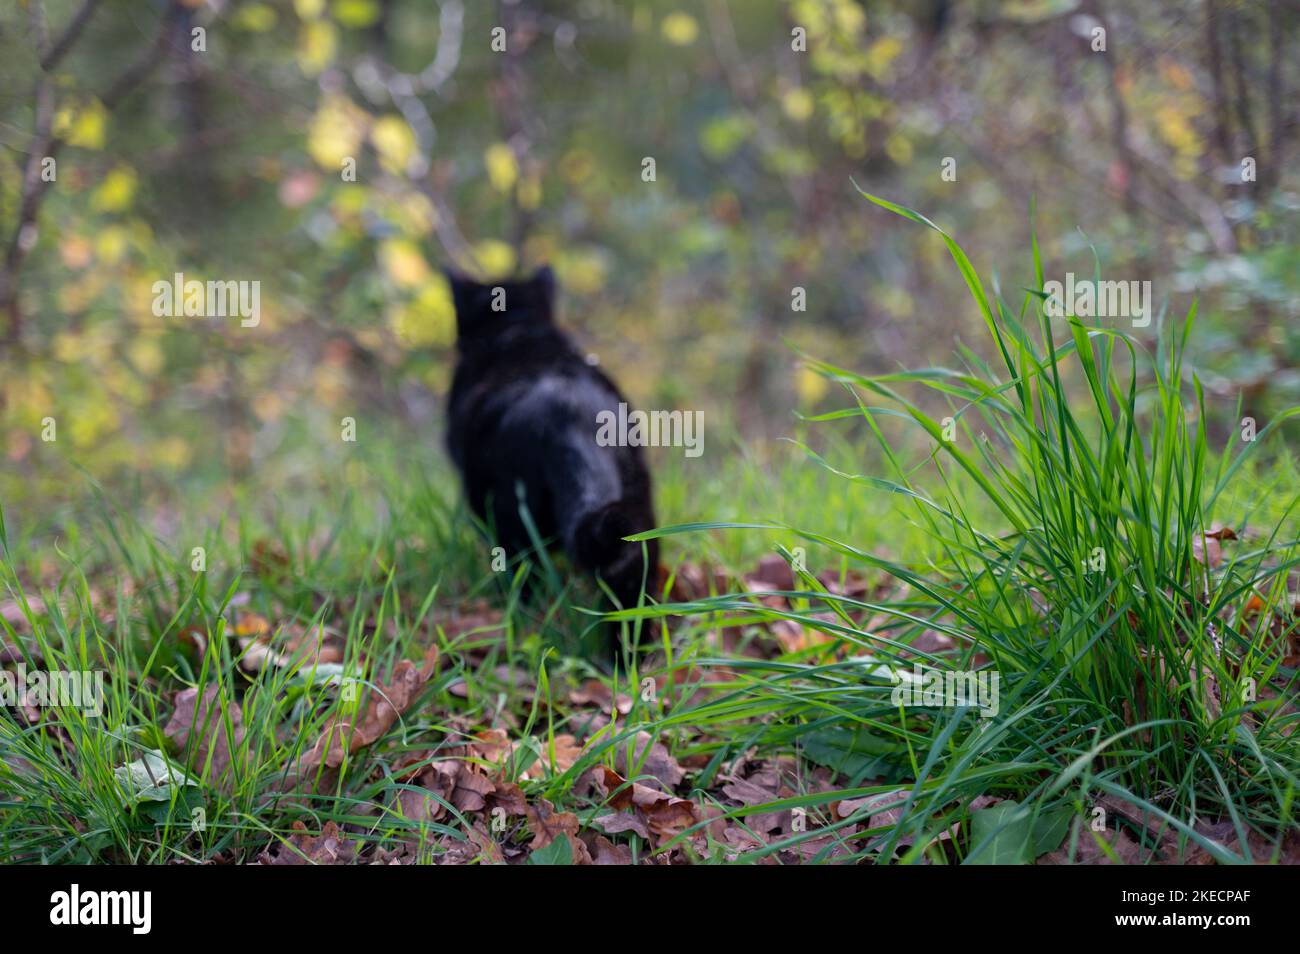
point(385, 558)
point(1120, 680)
point(1067, 509)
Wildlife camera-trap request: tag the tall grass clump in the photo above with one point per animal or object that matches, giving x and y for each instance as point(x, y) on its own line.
point(1073, 504)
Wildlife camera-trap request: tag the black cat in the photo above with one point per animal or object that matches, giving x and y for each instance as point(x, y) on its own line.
point(523, 421)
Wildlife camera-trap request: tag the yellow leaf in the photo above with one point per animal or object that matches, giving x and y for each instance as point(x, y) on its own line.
point(116, 191)
point(254, 17)
point(881, 55)
point(680, 29)
point(899, 148)
point(502, 169)
point(402, 260)
point(317, 44)
point(356, 13)
point(308, 9)
point(810, 385)
point(335, 133)
point(172, 453)
point(798, 104)
point(84, 127)
point(428, 320)
point(415, 216)
point(146, 354)
point(529, 192)
point(496, 258)
point(582, 272)
point(849, 16)
point(111, 244)
point(394, 140)
point(91, 420)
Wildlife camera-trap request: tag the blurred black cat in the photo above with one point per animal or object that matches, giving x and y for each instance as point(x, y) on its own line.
point(523, 420)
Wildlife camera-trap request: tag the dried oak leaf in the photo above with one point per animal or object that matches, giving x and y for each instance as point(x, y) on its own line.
point(1205, 546)
point(472, 789)
point(605, 852)
point(330, 847)
point(557, 757)
point(489, 745)
point(382, 711)
point(509, 797)
point(748, 793)
point(478, 848)
point(269, 559)
point(546, 824)
point(658, 761)
point(617, 822)
point(596, 693)
point(774, 572)
point(429, 801)
point(665, 816)
point(212, 752)
point(1089, 852)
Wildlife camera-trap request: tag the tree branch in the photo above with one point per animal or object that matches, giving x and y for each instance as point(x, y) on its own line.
point(45, 145)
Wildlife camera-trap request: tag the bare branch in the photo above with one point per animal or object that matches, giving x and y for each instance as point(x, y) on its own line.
point(51, 56)
point(45, 145)
point(377, 79)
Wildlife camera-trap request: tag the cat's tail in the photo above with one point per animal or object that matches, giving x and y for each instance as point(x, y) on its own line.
point(598, 545)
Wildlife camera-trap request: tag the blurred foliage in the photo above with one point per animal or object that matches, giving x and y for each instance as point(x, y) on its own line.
point(232, 162)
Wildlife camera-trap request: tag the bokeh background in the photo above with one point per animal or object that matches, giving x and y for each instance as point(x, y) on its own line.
point(224, 159)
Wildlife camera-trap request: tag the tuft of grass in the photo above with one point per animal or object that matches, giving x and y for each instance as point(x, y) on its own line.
point(1068, 503)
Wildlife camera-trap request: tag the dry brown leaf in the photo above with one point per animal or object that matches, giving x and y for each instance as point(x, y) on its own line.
point(205, 717)
point(546, 824)
point(658, 761)
point(748, 793)
point(472, 789)
point(593, 692)
point(774, 572)
point(617, 822)
point(490, 745)
point(509, 797)
point(602, 851)
point(11, 611)
point(665, 816)
point(330, 847)
point(1089, 852)
point(477, 847)
point(382, 711)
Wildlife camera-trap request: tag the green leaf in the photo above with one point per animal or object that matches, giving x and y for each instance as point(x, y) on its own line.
point(150, 778)
point(558, 852)
point(856, 753)
point(1009, 834)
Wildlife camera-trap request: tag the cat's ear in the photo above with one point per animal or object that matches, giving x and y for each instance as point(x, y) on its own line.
point(463, 289)
point(544, 279)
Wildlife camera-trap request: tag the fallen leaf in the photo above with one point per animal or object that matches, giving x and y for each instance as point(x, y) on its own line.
point(344, 737)
point(211, 755)
point(605, 852)
point(330, 847)
point(658, 761)
point(546, 824)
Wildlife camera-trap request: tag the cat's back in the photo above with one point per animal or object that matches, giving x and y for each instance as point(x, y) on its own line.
point(540, 385)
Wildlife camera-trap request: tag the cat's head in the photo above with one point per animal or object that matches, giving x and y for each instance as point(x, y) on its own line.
point(485, 311)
